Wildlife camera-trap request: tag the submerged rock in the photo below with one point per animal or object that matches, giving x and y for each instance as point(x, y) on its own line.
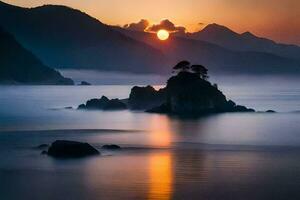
point(111, 147)
point(71, 149)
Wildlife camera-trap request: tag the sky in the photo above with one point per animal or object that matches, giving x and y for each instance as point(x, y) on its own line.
point(275, 19)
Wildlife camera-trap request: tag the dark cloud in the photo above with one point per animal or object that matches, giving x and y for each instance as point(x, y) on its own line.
point(167, 25)
point(139, 26)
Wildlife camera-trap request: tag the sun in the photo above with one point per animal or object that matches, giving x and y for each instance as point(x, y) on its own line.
point(163, 34)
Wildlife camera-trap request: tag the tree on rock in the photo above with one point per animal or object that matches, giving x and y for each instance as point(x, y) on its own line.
point(200, 70)
point(182, 66)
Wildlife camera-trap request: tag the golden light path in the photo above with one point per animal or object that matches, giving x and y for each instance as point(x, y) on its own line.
point(163, 34)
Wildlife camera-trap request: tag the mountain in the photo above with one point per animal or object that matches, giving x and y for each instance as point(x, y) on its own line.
point(63, 37)
point(67, 38)
point(227, 38)
point(18, 65)
point(218, 59)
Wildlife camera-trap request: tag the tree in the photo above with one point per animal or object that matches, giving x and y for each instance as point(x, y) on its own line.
point(182, 66)
point(200, 70)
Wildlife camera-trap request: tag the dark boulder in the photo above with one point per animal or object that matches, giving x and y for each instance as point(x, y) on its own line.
point(111, 147)
point(270, 111)
point(85, 83)
point(71, 149)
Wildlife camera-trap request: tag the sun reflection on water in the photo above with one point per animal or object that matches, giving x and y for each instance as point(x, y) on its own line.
point(160, 180)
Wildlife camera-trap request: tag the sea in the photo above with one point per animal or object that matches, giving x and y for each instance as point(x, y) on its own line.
point(243, 156)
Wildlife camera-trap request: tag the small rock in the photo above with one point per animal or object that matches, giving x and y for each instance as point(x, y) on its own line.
point(69, 107)
point(71, 149)
point(111, 147)
point(84, 83)
point(270, 111)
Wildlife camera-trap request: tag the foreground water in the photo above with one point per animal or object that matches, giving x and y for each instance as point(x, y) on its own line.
point(225, 156)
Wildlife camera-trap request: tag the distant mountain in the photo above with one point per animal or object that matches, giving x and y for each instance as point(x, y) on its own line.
point(67, 38)
point(218, 59)
point(19, 66)
point(227, 38)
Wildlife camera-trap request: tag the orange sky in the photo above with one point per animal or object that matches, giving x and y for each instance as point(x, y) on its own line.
point(276, 19)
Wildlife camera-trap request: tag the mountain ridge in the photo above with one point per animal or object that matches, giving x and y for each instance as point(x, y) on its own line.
point(64, 37)
point(247, 41)
point(68, 38)
point(20, 66)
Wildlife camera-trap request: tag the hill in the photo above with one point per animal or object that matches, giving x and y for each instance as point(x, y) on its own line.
point(67, 38)
point(20, 66)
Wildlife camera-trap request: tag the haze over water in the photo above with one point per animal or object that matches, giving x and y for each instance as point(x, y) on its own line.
point(224, 156)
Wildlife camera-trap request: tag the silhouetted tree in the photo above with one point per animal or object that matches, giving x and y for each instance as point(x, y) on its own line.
point(182, 66)
point(200, 70)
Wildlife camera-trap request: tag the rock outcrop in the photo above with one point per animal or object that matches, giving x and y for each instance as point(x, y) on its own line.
point(144, 98)
point(71, 149)
point(188, 94)
point(103, 104)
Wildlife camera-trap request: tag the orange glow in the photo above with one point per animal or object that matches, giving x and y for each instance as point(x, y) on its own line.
point(161, 181)
point(194, 15)
point(163, 34)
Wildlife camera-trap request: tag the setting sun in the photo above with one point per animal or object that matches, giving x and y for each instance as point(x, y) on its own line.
point(163, 34)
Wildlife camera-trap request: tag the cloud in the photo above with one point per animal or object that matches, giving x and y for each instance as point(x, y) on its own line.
point(167, 25)
point(139, 26)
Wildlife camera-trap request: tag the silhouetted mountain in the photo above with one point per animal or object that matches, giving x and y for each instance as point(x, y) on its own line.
point(227, 38)
point(68, 38)
point(218, 59)
point(18, 65)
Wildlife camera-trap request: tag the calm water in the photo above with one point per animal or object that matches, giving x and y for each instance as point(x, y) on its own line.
point(225, 156)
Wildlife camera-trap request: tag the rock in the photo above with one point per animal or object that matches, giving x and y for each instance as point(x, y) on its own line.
point(115, 104)
point(239, 108)
point(42, 146)
point(103, 104)
point(270, 111)
point(163, 109)
point(111, 147)
point(144, 98)
point(81, 106)
point(69, 107)
point(44, 152)
point(188, 94)
point(71, 149)
point(84, 83)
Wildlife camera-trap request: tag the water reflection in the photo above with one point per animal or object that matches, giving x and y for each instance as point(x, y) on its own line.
point(161, 133)
point(161, 178)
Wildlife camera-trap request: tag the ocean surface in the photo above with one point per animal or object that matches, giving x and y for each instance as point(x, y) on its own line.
point(225, 156)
